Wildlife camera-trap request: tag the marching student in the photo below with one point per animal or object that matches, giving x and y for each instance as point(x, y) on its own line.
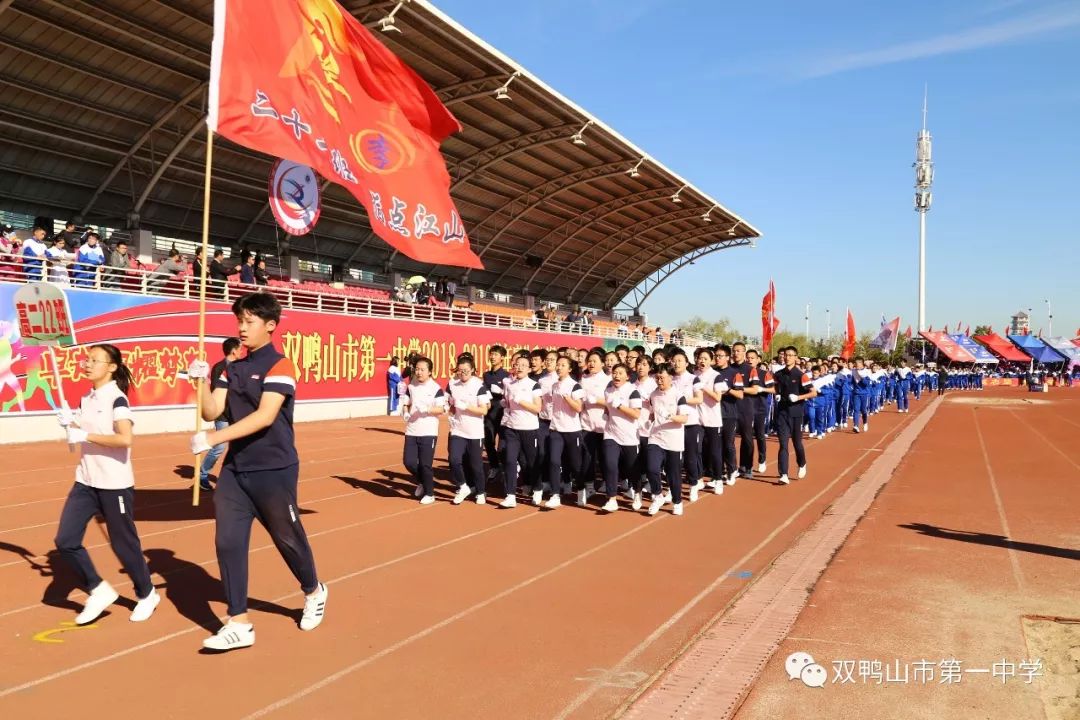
point(760, 386)
point(564, 440)
point(646, 385)
point(793, 387)
point(469, 400)
point(230, 350)
point(729, 413)
point(689, 385)
point(422, 403)
point(710, 412)
point(666, 442)
point(623, 403)
point(259, 476)
point(860, 379)
point(547, 378)
point(105, 485)
point(594, 381)
point(903, 387)
point(522, 401)
point(493, 380)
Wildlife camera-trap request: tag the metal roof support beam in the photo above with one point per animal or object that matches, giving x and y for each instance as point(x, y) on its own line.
point(4, 5)
point(581, 222)
point(672, 241)
point(478, 162)
point(629, 234)
point(645, 288)
point(200, 124)
point(192, 94)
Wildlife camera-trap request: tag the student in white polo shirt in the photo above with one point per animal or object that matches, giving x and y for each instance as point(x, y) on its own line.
point(469, 400)
point(712, 390)
point(666, 441)
point(423, 402)
point(646, 385)
point(104, 484)
point(522, 399)
point(690, 385)
point(564, 440)
point(623, 403)
point(594, 381)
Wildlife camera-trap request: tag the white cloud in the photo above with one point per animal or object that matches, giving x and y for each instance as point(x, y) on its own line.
point(999, 33)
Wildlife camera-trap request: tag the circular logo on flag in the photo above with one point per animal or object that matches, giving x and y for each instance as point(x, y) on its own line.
point(294, 197)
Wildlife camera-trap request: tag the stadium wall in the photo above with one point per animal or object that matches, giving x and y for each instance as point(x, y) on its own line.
point(342, 359)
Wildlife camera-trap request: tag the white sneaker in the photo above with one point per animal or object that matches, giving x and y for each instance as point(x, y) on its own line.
point(734, 476)
point(232, 636)
point(636, 504)
point(418, 492)
point(481, 499)
point(538, 497)
point(629, 494)
point(100, 598)
point(553, 502)
point(145, 607)
point(866, 427)
point(761, 467)
point(656, 504)
point(699, 485)
point(315, 604)
point(676, 509)
point(784, 480)
point(427, 500)
point(611, 505)
point(802, 473)
point(856, 429)
point(694, 494)
point(463, 492)
point(582, 498)
point(508, 502)
point(719, 488)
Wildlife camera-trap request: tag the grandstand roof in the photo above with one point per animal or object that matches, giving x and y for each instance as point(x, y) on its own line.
point(103, 116)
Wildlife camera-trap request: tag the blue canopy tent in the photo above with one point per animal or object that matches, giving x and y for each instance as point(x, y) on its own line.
point(982, 355)
point(1037, 349)
point(1066, 348)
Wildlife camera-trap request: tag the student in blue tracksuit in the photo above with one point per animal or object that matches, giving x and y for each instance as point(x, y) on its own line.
point(87, 261)
point(903, 387)
point(846, 387)
point(861, 380)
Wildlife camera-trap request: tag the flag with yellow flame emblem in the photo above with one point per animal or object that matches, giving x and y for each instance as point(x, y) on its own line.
point(307, 82)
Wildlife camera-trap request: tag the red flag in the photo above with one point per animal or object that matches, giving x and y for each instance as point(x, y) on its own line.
point(849, 343)
point(769, 321)
point(309, 83)
point(907, 333)
point(931, 329)
point(967, 331)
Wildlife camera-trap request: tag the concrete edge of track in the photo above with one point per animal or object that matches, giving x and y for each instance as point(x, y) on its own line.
point(715, 671)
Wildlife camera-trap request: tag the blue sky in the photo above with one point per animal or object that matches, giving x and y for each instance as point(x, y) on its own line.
point(801, 117)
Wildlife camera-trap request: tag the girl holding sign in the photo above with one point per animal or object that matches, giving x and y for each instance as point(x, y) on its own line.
point(105, 484)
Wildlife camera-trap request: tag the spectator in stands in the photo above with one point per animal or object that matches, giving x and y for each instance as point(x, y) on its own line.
point(624, 329)
point(440, 289)
point(58, 258)
point(87, 261)
point(451, 291)
point(9, 249)
point(220, 273)
point(33, 254)
point(119, 262)
point(173, 266)
point(423, 293)
point(404, 294)
point(72, 239)
point(247, 270)
point(261, 278)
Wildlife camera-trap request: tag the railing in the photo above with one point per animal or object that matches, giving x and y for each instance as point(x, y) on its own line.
point(141, 281)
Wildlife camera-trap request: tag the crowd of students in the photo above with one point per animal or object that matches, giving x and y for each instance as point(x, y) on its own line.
point(575, 422)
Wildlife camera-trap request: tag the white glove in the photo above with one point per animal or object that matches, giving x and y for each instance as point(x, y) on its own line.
point(722, 386)
point(496, 390)
point(76, 436)
point(199, 370)
point(616, 403)
point(793, 398)
point(198, 443)
point(65, 417)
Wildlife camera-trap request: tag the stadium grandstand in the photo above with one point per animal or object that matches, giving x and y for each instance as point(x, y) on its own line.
point(104, 123)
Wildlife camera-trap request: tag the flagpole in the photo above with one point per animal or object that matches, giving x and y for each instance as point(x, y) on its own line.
point(202, 304)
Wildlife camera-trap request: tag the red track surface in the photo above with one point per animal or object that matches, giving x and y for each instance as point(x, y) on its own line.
point(441, 611)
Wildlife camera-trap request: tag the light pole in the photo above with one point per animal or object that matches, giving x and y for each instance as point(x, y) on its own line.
point(1049, 320)
point(924, 179)
point(828, 326)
